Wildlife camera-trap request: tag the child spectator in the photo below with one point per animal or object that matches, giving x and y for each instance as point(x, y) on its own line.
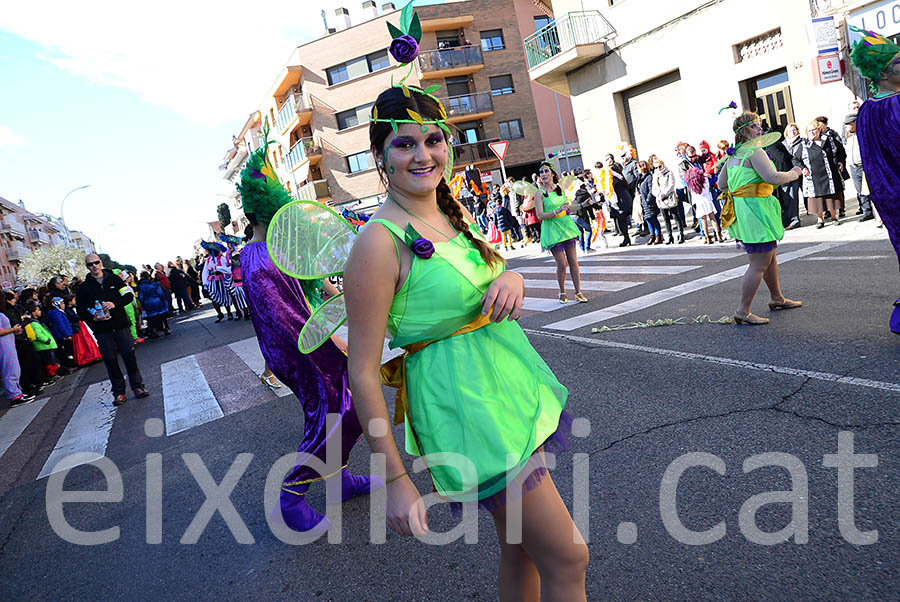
point(62, 332)
point(41, 339)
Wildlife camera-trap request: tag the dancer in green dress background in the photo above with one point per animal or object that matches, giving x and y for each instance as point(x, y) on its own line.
point(470, 382)
point(558, 231)
point(748, 179)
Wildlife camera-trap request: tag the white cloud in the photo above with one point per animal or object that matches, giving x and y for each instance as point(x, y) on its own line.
point(212, 62)
point(10, 138)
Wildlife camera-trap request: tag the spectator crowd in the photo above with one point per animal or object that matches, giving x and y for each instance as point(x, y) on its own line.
point(634, 198)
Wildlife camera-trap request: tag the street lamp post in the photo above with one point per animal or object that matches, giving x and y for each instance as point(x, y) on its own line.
point(62, 218)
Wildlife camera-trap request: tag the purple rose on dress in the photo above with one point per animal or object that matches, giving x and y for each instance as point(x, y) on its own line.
point(404, 49)
point(422, 247)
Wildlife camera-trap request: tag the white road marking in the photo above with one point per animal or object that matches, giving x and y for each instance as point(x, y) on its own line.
point(87, 430)
point(187, 398)
point(588, 285)
point(614, 269)
point(661, 257)
point(845, 257)
point(726, 361)
point(657, 297)
point(543, 305)
point(197, 315)
point(248, 350)
point(16, 420)
point(386, 352)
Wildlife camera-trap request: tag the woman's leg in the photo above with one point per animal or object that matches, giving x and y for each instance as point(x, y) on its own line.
point(771, 278)
point(759, 263)
point(550, 543)
point(572, 260)
point(517, 576)
point(559, 256)
point(667, 216)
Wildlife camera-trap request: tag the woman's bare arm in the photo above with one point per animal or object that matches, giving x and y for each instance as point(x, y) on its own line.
point(370, 278)
point(763, 166)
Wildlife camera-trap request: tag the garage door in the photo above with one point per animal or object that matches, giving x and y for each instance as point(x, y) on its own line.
point(650, 111)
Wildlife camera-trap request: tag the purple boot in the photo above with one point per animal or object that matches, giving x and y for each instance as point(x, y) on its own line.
point(352, 485)
point(300, 516)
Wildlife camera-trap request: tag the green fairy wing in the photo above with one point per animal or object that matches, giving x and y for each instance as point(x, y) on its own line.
point(527, 190)
point(524, 188)
point(746, 149)
point(309, 241)
point(568, 183)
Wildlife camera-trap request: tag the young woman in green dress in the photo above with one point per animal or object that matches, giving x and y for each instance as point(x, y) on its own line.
point(558, 231)
point(474, 385)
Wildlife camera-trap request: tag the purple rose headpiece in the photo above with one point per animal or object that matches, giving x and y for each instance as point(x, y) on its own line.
point(405, 48)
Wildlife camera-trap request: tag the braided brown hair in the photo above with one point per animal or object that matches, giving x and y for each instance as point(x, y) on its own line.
point(393, 103)
point(452, 210)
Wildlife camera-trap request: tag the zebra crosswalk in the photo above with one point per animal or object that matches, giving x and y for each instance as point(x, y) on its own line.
point(196, 390)
point(601, 274)
point(611, 271)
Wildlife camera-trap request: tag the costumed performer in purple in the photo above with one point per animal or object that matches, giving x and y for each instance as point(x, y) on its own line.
point(878, 132)
point(280, 306)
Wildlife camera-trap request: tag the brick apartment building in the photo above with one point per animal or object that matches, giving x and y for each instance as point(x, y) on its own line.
point(22, 232)
point(319, 104)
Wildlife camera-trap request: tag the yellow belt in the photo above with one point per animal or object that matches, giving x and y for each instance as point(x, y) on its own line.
point(750, 190)
point(759, 189)
point(393, 372)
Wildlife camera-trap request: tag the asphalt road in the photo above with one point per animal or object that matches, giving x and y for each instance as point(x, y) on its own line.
point(651, 396)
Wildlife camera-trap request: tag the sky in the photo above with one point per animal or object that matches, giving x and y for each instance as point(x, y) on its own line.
point(138, 101)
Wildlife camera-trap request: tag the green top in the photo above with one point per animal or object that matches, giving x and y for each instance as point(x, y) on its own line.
point(427, 316)
point(757, 219)
point(485, 395)
point(556, 229)
point(40, 337)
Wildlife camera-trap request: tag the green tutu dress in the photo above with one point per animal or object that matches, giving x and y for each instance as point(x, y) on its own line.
point(757, 219)
point(485, 394)
point(556, 229)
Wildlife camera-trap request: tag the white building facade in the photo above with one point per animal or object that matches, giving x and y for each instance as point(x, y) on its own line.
point(656, 72)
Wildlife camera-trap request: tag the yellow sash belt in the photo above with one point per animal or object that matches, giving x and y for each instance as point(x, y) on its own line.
point(759, 189)
point(393, 372)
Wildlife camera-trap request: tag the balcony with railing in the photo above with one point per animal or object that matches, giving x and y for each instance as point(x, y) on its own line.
point(473, 153)
point(317, 190)
point(11, 226)
point(295, 111)
point(447, 62)
point(39, 237)
point(17, 252)
point(468, 106)
point(564, 45)
point(305, 149)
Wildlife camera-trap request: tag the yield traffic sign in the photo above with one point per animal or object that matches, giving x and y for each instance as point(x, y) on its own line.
point(499, 148)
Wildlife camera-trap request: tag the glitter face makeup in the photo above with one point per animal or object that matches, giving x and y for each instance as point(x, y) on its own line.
point(415, 160)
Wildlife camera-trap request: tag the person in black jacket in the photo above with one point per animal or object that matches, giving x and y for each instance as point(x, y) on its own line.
point(100, 303)
point(624, 204)
point(583, 216)
point(179, 281)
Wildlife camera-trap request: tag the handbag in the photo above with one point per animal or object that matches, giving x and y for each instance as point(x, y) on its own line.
point(669, 202)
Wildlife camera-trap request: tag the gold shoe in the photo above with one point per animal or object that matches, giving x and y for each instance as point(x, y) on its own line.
point(563, 298)
point(581, 298)
point(786, 304)
point(751, 319)
point(271, 381)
